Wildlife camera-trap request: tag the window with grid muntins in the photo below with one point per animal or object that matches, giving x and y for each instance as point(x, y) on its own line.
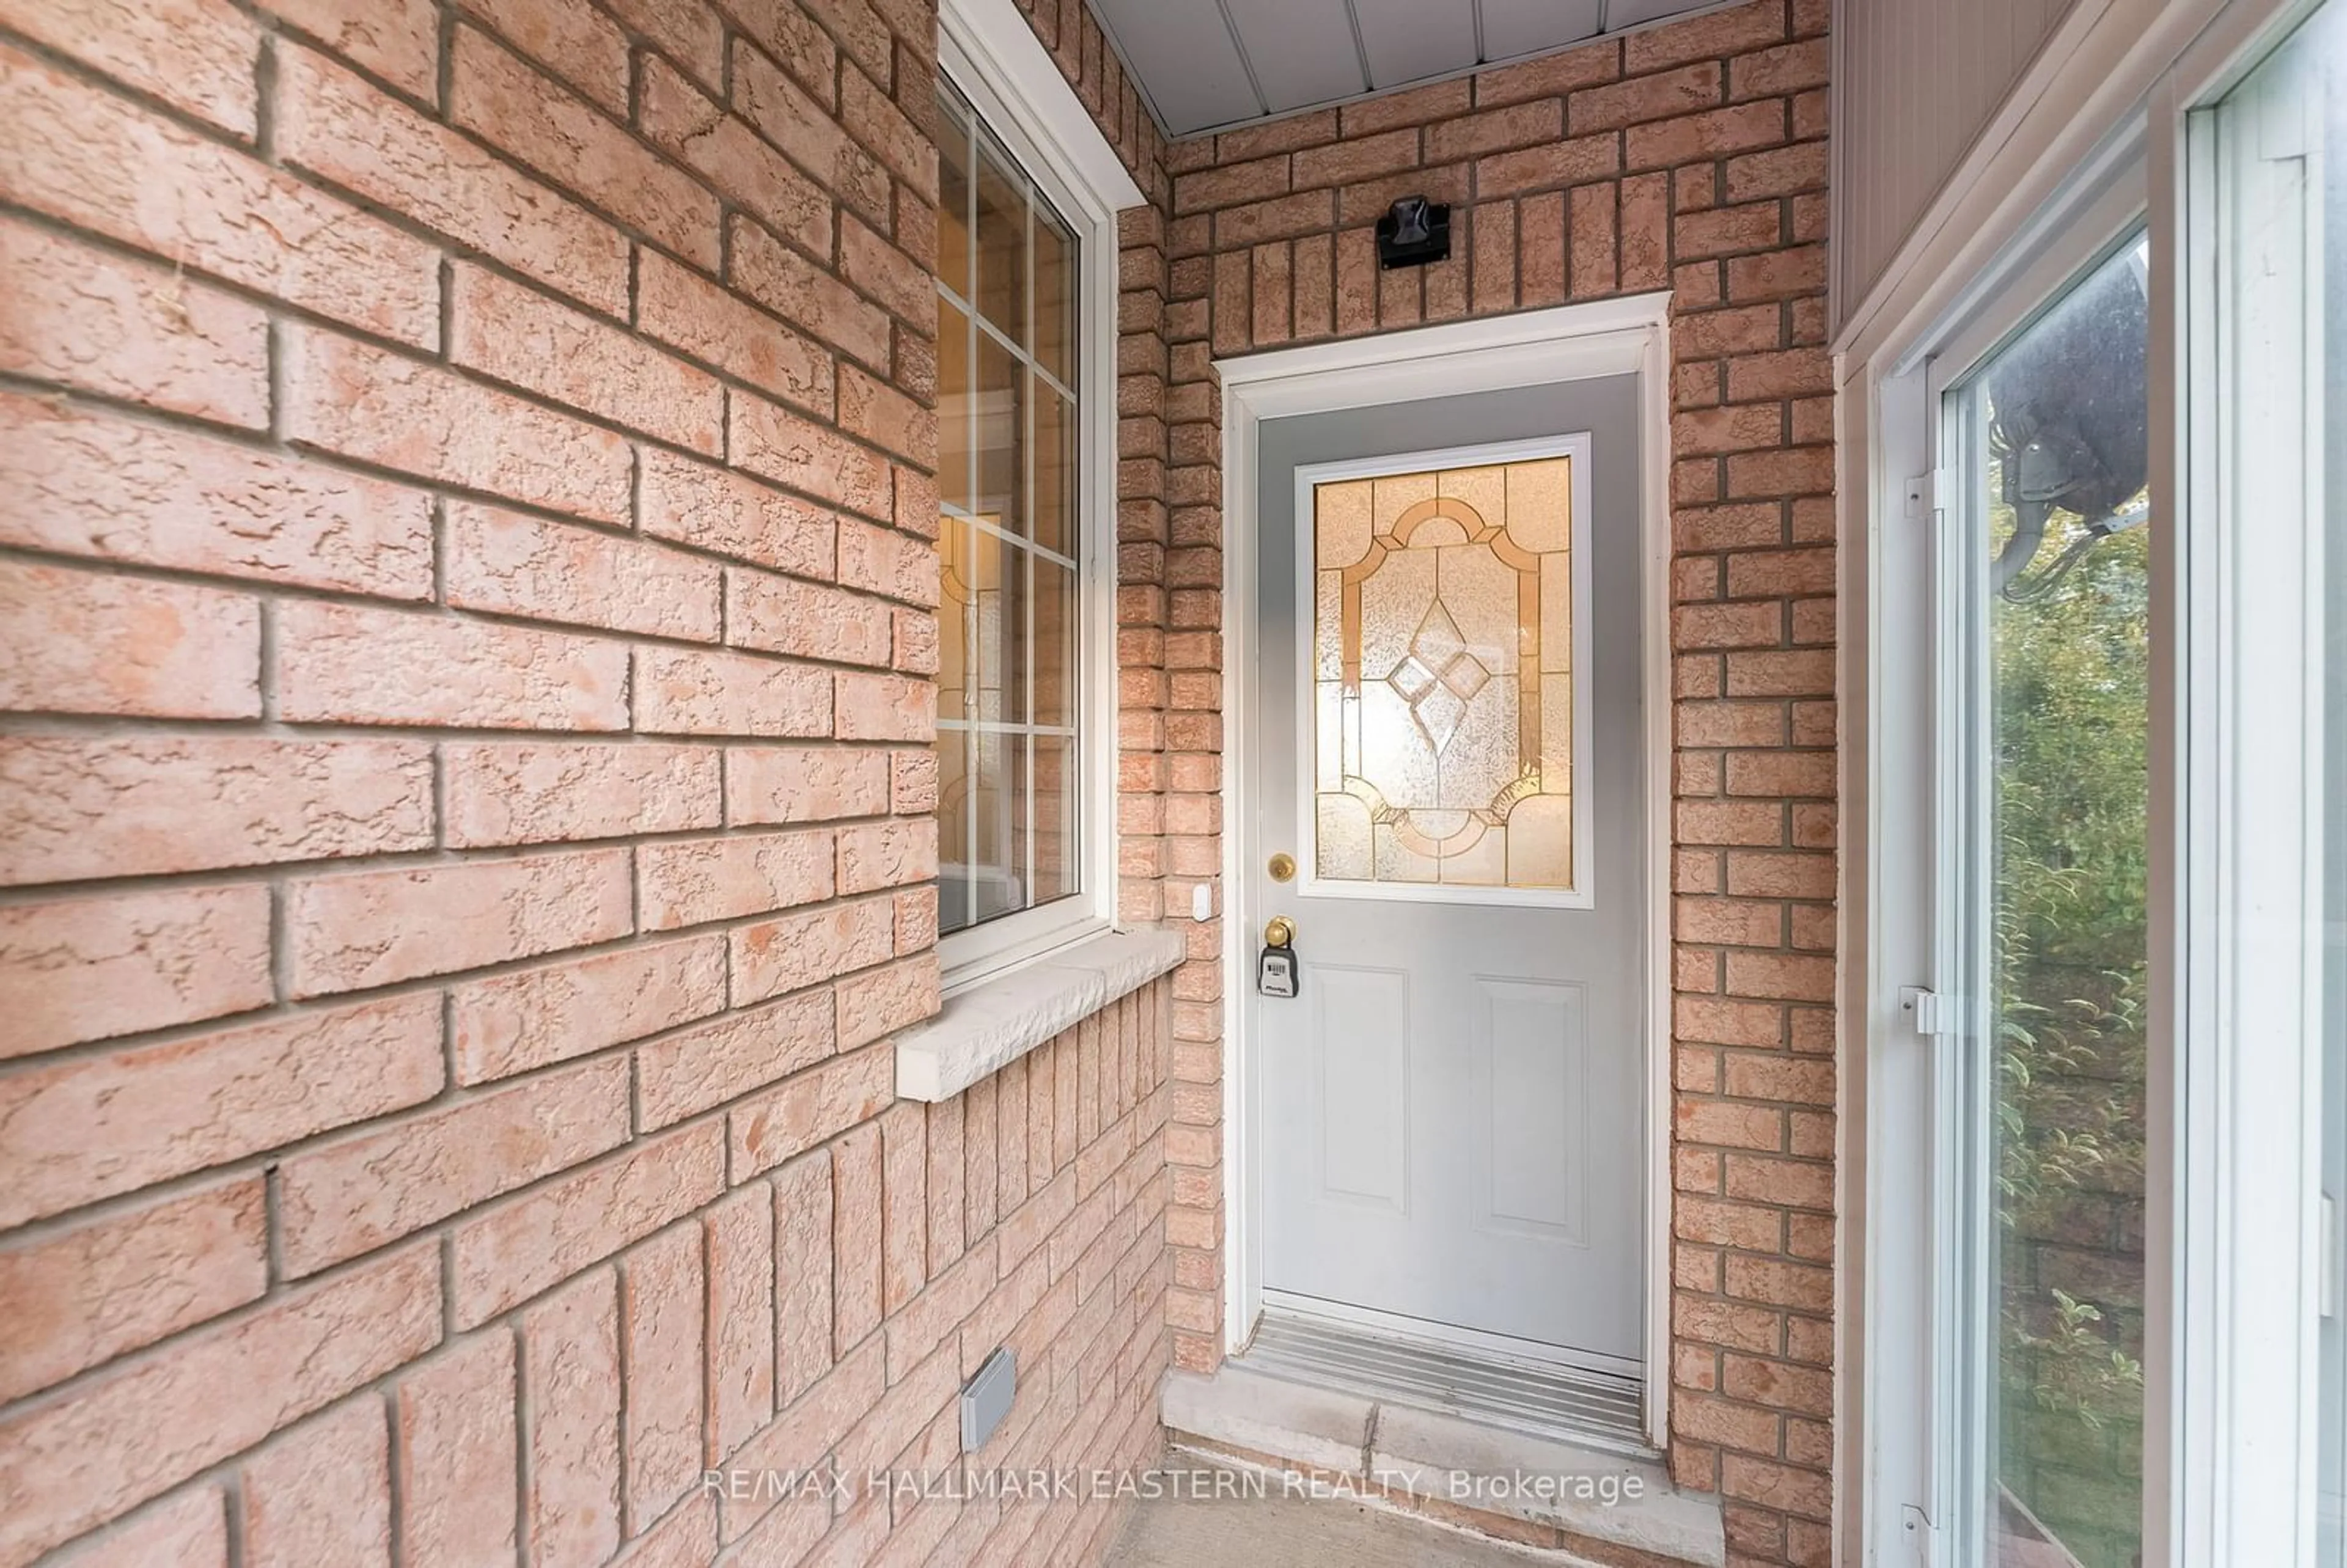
point(1008, 729)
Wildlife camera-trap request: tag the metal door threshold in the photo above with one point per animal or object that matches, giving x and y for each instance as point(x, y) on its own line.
point(1569, 1404)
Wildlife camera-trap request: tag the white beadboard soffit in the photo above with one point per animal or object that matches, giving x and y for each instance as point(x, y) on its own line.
point(1217, 65)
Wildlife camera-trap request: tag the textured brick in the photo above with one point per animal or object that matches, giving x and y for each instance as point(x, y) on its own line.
point(87, 319)
point(357, 1194)
point(772, 956)
point(740, 1245)
point(884, 708)
point(1721, 32)
point(581, 46)
point(398, 40)
point(511, 332)
point(809, 620)
point(769, 440)
point(82, 1297)
point(814, 1106)
point(361, 402)
point(570, 1389)
point(344, 663)
point(499, 97)
point(805, 132)
point(685, 1073)
point(73, 1464)
point(692, 127)
point(882, 562)
point(856, 1237)
point(322, 1494)
point(803, 295)
point(80, 642)
point(534, 793)
point(688, 31)
point(333, 124)
point(91, 968)
point(87, 483)
point(905, 286)
point(510, 564)
point(661, 1328)
point(682, 692)
point(98, 1125)
point(517, 1022)
point(507, 1254)
point(678, 306)
point(691, 881)
point(804, 784)
point(888, 855)
point(373, 928)
point(735, 516)
point(94, 160)
point(881, 1001)
point(199, 55)
point(457, 1424)
point(803, 1247)
point(71, 807)
point(872, 411)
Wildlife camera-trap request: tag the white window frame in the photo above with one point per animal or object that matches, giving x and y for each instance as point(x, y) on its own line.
point(2233, 1249)
point(990, 54)
point(2250, 908)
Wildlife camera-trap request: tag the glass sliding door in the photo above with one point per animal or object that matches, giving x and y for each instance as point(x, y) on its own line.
point(2044, 640)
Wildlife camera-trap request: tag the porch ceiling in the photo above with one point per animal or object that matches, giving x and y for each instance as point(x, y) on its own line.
point(1210, 65)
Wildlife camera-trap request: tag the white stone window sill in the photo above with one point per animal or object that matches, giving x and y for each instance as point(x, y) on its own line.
point(994, 1023)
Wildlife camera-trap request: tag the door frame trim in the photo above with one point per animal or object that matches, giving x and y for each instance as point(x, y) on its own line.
point(1529, 348)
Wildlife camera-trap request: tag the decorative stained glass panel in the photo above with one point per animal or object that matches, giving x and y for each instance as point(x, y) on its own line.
point(1443, 677)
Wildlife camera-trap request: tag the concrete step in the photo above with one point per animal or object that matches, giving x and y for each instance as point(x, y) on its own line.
point(1593, 1505)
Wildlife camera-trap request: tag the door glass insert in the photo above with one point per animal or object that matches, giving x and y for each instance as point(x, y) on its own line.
point(2049, 619)
point(1442, 676)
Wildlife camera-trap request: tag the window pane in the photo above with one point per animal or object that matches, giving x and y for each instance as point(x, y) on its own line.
point(954, 156)
point(2054, 438)
point(998, 615)
point(1054, 661)
point(1055, 297)
point(1055, 818)
point(1002, 244)
point(956, 409)
point(1055, 471)
point(999, 788)
point(1001, 437)
point(957, 612)
point(1009, 613)
point(954, 879)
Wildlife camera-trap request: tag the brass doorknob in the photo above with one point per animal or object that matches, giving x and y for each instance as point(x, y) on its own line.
point(1279, 931)
point(1283, 867)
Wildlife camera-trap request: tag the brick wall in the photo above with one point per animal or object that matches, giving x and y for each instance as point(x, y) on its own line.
point(466, 625)
point(1692, 158)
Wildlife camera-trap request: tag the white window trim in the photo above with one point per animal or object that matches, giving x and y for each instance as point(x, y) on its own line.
point(990, 54)
point(2230, 1423)
point(2246, 1388)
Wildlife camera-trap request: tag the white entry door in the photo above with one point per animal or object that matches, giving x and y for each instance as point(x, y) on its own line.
point(1450, 751)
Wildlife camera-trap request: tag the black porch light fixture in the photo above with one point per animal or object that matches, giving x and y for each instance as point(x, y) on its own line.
point(1413, 232)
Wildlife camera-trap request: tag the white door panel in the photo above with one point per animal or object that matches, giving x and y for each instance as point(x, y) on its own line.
point(1455, 1103)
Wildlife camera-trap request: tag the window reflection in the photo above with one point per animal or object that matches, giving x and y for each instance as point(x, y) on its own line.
point(2055, 439)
